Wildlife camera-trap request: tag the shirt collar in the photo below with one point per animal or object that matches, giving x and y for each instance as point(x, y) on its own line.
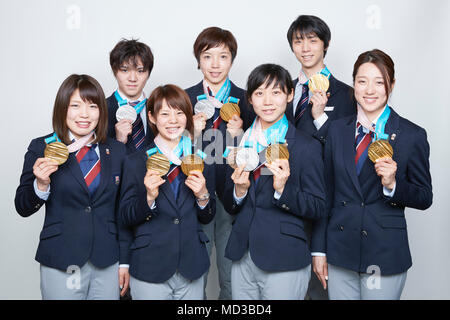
point(72, 138)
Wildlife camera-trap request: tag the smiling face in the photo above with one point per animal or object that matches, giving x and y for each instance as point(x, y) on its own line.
point(82, 116)
point(370, 90)
point(269, 103)
point(132, 79)
point(309, 51)
point(215, 64)
point(170, 123)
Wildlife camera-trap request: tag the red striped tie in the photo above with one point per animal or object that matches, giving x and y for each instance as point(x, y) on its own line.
point(362, 141)
point(90, 167)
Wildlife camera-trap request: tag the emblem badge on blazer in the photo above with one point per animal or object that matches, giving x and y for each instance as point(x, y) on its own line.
point(107, 151)
point(117, 180)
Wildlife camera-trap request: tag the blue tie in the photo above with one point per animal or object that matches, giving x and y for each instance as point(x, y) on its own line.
point(137, 132)
point(174, 179)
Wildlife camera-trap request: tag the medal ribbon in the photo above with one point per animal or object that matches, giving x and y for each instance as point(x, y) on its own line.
point(76, 145)
point(123, 102)
point(381, 122)
point(222, 97)
point(184, 148)
point(302, 78)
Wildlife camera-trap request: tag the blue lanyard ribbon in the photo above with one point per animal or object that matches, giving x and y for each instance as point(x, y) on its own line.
point(276, 133)
point(381, 124)
point(123, 102)
point(223, 95)
point(53, 138)
point(183, 148)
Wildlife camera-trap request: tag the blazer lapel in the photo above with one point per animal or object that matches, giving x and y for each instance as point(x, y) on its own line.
point(76, 171)
point(392, 128)
point(166, 190)
point(183, 193)
point(105, 165)
point(290, 107)
point(349, 152)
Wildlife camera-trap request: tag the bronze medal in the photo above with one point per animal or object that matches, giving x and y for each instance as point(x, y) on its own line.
point(380, 149)
point(159, 163)
point(318, 82)
point(190, 163)
point(231, 158)
point(228, 110)
point(276, 151)
point(56, 151)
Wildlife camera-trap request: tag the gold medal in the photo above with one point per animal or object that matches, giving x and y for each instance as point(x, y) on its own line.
point(318, 82)
point(190, 163)
point(228, 110)
point(380, 149)
point(159, 163)
point(276, 151)
point(56, 151)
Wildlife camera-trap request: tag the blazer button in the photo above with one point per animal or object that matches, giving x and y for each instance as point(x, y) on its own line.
point(344, 203)
point(362, 204)
point(148, 218)
point(341, 228)
point(393, 204)
point(364, 233)
point(176, 221)
point(88, 209)
point(283, 206)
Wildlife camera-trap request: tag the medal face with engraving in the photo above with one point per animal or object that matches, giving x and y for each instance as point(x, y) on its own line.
point(159, 163)
point(318, 82)
point(126, 112)
point(228, 110)
point(249, 157)
point(380, 149)
point(190, 163)
point(231, 158)
point(205, 106)
point(276, 151)
point(56, 151)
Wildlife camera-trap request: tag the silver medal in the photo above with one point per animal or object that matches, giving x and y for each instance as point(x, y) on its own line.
point(249, 157)
point(205, 106)
point(126, 112)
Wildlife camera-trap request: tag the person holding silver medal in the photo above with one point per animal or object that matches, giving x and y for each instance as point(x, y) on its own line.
point(75, 173)
point(376, 165)
point(274, 182)
point(220, 116)
point(131, 62)
point(167, 193)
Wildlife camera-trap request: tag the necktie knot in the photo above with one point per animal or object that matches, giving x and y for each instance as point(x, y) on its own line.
point(134, 103)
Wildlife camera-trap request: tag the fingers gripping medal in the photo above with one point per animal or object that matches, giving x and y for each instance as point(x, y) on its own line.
point(56, 150)
point(249, 157)
point(205, 106)
point(276, 151)
point(230, 156)
point(318, 82)
point(228, 110)
point(380, 149)
point(158, 162)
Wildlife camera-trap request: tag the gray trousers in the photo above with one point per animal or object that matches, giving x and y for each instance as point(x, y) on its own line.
point(248, 282)
point(85, 283)
point(218, 232)
point(345, 284)
point(176, 288)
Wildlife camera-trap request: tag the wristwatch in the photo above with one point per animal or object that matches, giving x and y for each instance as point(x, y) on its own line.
point(203, 197)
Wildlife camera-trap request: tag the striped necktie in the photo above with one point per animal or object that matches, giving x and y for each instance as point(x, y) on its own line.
point(90, 167)
point(217, 120)
point(302, 103)
point(257, 172)
point(137, 132)
point(362, 143)
point(174, 179)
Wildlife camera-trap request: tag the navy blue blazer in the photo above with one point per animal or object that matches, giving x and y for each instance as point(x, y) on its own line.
point(168, 238)
point(77, 228)
point(113, 105)
point(247, 116)
point(341, 98)
point(273, 230)
point(364, 227)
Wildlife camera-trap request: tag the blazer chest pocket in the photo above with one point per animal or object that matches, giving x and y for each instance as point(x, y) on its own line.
point(50, 231)
point(141, 241)
point(293, 230)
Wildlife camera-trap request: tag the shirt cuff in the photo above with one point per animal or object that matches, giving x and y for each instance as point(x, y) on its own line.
point(389, 193)
point(202, 207)
point(43, 195)
point(124, 266)
point(277, 195)
point(318, 254)
point(153, 206)
point(319, 122)
point(238, 200)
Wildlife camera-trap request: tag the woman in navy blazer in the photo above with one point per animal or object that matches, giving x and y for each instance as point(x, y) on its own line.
point(81, 231)
point(364, 236)
point(168, 254)
point(268, 244)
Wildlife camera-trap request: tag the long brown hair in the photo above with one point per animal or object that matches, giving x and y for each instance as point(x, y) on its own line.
point(90, 91)
point(382, 61)
point(175, 97)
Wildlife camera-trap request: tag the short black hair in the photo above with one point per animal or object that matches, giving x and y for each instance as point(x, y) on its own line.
point(306, 24)
point(269, 73)
point(127, 51)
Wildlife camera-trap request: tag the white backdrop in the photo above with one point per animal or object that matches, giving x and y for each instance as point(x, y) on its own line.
point(44, 41)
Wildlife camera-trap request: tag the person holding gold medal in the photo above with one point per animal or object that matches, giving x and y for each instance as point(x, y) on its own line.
point(167, 193)
point(276, 183)
point(220, 115)
point(376, 165)
point(75, 173)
